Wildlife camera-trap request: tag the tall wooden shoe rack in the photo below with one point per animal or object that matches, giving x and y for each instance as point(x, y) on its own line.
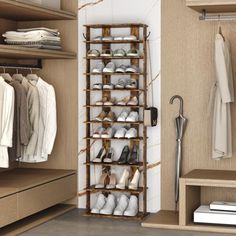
point(140, 31)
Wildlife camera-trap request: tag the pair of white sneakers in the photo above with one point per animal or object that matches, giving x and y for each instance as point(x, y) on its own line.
point(110, 205)
point(125, 133)
point(100, 67)
point(125, 115)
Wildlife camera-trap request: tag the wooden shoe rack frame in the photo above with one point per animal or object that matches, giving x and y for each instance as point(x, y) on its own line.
point(140, 31)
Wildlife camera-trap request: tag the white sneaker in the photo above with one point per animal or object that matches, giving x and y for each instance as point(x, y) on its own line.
point(120, 133)
point(132, 209)
point(122, 205)
point(132, 84)
point(110, 68)
point(122, 82)
point(108, 86)
point(133, 116)
point(123, 182)
point(109, 206)
point(134, 182)
point(123, 116)
point(101, 201)
point(98, 68)
point(121, 69)
point(97, 86)
point(132, 69)
point(130, 37)
point(108, 133)
point(98, 132)
point(131, 133)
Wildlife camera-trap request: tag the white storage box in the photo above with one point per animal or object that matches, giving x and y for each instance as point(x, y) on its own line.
point(55, 4)
point(223, 206)
point(204, 215)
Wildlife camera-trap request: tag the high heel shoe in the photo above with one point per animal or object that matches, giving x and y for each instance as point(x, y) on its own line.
point(133, 158)
point(134, 182)
point(123, 182)
point(112, 182)
point(109, 156)
point(102, 181)
point(100, 155)
point(124, 155)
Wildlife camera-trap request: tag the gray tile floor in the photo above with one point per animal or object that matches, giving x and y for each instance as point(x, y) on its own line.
point(74, 224)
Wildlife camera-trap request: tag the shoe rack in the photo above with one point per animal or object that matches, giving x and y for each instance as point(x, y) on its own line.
point(140, 31)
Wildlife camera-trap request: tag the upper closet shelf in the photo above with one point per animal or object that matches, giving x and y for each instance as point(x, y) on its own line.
point(19, 10)
point(7, 51)
point(212, 6)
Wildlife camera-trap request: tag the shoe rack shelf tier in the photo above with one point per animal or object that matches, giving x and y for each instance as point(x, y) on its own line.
point(140, 31)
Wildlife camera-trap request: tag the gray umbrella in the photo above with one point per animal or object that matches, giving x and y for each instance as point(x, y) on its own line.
point(180, 123)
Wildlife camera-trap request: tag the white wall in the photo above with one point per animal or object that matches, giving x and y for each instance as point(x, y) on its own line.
point(123, 11)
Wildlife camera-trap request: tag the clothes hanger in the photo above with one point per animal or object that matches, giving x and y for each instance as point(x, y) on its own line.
point(6, 76)
point(18, 76)
point(32, 76)
point(220, 28)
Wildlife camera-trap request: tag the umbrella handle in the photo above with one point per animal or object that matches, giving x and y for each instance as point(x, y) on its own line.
point(181, 110)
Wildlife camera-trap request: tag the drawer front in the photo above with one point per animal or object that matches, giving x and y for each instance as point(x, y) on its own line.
point(8, 208)
point(39, 198)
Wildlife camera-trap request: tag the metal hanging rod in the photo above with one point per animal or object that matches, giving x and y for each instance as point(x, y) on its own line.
point(214, 17)
point(37, 66)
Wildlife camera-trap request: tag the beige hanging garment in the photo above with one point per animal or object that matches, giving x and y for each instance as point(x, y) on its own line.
point(223, 96)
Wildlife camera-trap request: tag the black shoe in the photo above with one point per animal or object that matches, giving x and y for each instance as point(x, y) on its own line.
point(100, 155)
point(133, 159)
point(124, 156)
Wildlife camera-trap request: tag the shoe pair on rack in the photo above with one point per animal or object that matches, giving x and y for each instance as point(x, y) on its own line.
point(103, 133)
point(107, 181)
point(105, 101)
point(104, 156)
point(100, 86)
point(124, 180)
point(116, 53)
point(126, 116)
point(126, 83)
point(111, 68)
point(130, 101)
point(129, 156)
point(110, 205)
point(104, 116)
point(126, 133)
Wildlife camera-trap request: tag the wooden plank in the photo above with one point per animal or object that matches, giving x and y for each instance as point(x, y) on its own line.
point(22, 178)
point(139, 216)
point(17, 52)
point(95, 26)
point(35, 220)
point(20, 10)
point(112, 41)
point(212, 6)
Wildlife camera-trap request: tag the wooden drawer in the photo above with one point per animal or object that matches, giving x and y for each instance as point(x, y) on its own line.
point(8, 207)
point(39, 198)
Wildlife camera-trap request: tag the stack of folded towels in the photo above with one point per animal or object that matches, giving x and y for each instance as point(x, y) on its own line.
point(42, 38)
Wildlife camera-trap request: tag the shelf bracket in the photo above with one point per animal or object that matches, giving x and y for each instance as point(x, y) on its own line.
point(215, 17)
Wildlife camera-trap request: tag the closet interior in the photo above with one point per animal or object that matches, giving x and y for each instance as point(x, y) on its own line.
point(188, 69)
point(95, 82)
point(48, 189)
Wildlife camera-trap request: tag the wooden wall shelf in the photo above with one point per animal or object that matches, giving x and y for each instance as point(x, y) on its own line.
point(19, 10)
point(212, 6)
point(114, 163)
point(94, 190)
point(8, 51)
point(113, 41)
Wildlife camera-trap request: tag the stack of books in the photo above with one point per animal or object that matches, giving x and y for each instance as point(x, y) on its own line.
point(217, 213)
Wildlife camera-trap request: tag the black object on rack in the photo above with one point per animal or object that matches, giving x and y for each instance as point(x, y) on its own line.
point(37, 66)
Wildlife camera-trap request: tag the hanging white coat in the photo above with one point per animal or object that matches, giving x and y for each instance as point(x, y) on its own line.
point(223, 96)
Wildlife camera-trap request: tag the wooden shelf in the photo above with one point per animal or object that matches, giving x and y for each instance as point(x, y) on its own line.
point(93, 189)
point(113, 41)
point(20, 10)
point(113, 58)
point(114, 106)
point(139, 216)
point(100, 26)
point(114, 122)
point(20, 179)
point(139, 164)
point(115, 73)
point(214, 178)
point(121, 139)
point(115, 90)
point(163, 219)
point(16, 52)
point(212, 6)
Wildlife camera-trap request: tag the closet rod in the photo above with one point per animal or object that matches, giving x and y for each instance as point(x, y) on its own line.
point(37, 66)
point(214, 17)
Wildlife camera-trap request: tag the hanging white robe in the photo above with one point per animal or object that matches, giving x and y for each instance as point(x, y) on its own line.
point(7, 96)
point(224, 95)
